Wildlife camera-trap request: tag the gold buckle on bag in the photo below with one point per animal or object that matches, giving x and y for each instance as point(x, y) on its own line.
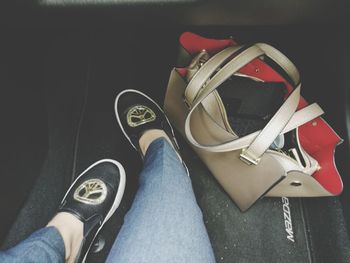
point(248, 159)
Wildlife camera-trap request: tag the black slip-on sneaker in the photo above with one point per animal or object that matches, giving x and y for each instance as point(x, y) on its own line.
point(93, 198)
point(136, 113)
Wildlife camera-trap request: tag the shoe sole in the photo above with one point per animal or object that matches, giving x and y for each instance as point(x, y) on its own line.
point(117, 200)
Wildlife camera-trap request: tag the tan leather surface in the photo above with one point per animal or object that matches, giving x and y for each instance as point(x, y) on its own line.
point(212, 104)
point(309, 186)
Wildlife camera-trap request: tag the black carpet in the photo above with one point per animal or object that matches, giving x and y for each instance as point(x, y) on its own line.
point(65, 65)
point(23, 128)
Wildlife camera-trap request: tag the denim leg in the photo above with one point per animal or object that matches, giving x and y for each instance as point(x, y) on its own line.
point(164, 223)
point(43, 246)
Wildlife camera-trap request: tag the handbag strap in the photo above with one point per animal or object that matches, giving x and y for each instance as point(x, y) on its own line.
point(282, 61)
point(260, 141)
point(273, 128)
point(195, 85)
point(299, 118)
point(204, 73)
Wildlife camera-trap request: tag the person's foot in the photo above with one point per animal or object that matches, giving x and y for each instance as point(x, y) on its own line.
point(142, 120)
point(93, 198)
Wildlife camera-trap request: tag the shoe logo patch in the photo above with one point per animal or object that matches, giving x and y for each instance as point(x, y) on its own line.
point(139, 115)
point(91, 192)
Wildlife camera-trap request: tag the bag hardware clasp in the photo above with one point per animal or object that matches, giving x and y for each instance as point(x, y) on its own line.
point(248, 159)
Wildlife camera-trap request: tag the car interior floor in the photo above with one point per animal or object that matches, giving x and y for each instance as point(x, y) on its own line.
point(78, 74)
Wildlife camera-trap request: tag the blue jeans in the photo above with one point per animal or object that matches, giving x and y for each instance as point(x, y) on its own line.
point(44, 245)
point(164, 223)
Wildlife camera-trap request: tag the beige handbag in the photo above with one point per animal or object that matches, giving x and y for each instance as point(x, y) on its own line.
point(247, 167)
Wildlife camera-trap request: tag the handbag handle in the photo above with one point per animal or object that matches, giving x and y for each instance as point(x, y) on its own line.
point(260, 141)
point(209, 68)
point(203, 74)
point(280, 59)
